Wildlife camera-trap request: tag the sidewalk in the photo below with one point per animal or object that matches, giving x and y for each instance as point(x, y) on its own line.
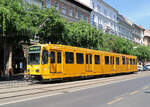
point(18, 77)
point(14, 81)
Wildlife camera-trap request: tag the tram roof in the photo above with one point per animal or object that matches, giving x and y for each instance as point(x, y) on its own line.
point(59, 46)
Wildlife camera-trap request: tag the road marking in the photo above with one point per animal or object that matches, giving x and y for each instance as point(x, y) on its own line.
point(146, 87)
point(28, 99)
point(135, 92)
point(115, 101)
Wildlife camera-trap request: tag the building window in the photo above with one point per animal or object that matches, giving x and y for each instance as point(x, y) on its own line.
point(81, 16)
point(117, 60)
point(70, 12)
point(48, 3)
point(77, 14)
point(93, 5)
point(106, 59)
point(97, 59)
point(87, 19)
point(69, 56)
point(63, 9)
point(99, 20)
point(80, 59)
point(56, 5)
point(105, 12)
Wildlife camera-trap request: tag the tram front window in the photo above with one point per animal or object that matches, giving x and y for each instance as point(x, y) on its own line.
point(34, 55)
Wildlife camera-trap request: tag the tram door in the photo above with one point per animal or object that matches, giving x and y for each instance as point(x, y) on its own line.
point(127, 63)
point(56, 65)
point(113, 63)
point(88, 62)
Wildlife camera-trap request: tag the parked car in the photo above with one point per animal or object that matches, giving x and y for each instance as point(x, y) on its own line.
point(140, 68)
point(147, 66)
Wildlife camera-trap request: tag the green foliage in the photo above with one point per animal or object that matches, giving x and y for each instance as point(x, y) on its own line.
point(82, 34)
point(20, 22)
point(142, 52)
point(53, 28)
point(14, 21)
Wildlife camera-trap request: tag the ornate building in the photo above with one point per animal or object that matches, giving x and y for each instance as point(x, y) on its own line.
point(72, 10)
point(103, 16)
point(124, 27)
point(146, 39)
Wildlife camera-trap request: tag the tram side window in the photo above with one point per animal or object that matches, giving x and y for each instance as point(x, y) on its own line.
point(106, 59)
point(127, 61)
point(45, 57)
point(88, 59)
point(130, 61)
point(112, 60)
point(69, 57)
point(133, 61)
point(117, 60)
point(123, 60)
point(58, 57)
point(97, 59)
point(52, 57)
point(79, 58)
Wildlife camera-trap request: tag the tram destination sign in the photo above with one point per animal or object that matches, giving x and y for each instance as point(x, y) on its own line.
point(35, 49)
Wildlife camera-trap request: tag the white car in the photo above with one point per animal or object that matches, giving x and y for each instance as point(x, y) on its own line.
point(147, 66)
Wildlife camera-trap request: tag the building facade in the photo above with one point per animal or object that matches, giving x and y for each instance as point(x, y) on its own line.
point(72, 10)
point(124, 27)
point(35, 2)
point(146, 39)
point(137, 34)
point(103, 16)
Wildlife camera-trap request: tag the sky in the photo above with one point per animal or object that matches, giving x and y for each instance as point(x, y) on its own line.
point(138, 11)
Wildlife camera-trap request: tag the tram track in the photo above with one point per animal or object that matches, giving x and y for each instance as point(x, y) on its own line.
point(34, 90)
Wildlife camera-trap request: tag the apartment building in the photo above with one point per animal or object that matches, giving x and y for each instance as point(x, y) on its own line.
point(72, 10)
point(146, 39)
point(103, 16)
point(137, 34)
point(124, 27)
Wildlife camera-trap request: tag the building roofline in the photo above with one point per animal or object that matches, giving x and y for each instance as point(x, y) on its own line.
point(80, 4)
point(123, 19)
point(109, 6)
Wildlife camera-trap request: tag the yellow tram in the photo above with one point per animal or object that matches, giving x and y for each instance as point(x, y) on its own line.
point(52, 61)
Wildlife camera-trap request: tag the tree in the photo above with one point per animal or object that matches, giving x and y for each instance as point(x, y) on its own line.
point(15, 26)
point(53, 27)
point(142, 52)
point(82, 34)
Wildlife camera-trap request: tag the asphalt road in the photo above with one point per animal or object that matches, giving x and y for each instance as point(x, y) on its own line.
point(131, 93)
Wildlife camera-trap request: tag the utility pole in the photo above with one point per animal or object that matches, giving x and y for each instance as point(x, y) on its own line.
point(4, 54)
point(40, 26)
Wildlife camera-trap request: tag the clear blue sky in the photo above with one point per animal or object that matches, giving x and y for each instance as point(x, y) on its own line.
point(138, 11)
